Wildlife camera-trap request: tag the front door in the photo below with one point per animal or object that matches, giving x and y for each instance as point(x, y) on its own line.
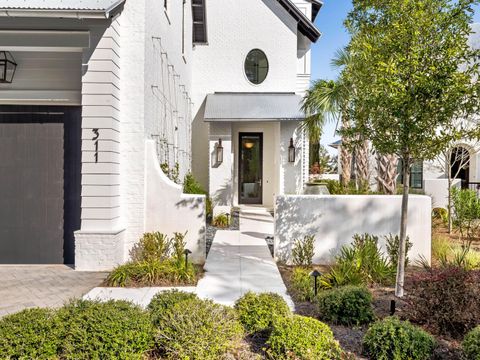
point(250, 168)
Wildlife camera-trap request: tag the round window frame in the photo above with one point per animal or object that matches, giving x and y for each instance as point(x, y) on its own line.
point(244, 66)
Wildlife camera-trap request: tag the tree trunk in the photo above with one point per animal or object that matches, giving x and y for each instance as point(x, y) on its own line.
point(387, 174)
point(449, 185)
point(403, 228)
point(362, 168)
point(345, 155)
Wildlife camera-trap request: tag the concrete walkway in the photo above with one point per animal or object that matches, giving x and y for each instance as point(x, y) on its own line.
point(240, 261)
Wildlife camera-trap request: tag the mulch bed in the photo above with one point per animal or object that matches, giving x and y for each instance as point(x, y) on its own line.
point(350, 338)
point(212, 230)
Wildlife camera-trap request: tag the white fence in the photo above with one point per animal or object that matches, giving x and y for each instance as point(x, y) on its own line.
point(334, 219)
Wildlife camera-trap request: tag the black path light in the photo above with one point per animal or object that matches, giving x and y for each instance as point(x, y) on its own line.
point(186, 252)
point(7, 67)
point(291, 152)
point(316, 274)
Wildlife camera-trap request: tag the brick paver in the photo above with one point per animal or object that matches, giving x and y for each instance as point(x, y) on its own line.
point(43, 286)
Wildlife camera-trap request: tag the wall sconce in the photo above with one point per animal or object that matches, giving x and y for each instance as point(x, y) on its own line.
point(7, 67)
point(291, 152)
point(219, 152)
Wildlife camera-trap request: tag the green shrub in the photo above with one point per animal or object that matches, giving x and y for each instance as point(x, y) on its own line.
point(393, 246)
point(440, 214)
point(151, 247)
point(361, 263)
point(153, 273)
point(303, 251)
point(302, 338)
point(220, 221)
point(466, 212)
point(471, 344)
point(165, 300)
point(302, 284)
point(30, 334)
point(347, 305)
point(105, 330)
point(257, 312)
point(192, 186)
point(197, 329)
point(392, 339)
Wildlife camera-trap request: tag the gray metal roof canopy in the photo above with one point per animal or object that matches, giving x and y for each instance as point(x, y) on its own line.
point(253, 107)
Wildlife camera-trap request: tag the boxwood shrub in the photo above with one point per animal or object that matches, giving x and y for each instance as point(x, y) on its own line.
point(30, 334)
point(392, 339)
point(471, 344)
point(197, 329)
point(347, 305)
point(258, 311)
point(164, 301)
point(105, 330)
point(302, 338)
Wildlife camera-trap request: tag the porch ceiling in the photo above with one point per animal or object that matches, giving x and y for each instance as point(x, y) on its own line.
point(253, 107)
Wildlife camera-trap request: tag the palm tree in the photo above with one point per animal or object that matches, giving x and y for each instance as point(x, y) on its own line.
point(387, 173)
point(326, 100)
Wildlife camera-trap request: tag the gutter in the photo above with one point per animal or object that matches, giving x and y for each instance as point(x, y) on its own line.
point(103, 14)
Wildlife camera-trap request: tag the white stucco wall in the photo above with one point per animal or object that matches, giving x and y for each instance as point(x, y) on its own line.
point(168, 210)
point(437, 189)
point(335, 219)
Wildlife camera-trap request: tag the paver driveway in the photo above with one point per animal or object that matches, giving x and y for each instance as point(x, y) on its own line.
point(43, 286)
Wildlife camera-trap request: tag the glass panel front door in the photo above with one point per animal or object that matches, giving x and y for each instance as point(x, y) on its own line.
point(250, 168)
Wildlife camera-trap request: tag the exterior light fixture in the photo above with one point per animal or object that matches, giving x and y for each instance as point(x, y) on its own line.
point(316, 274)
point(219, 152)
point(186, 252)
point(291, 152)
point(248, 144)
point(7, 67)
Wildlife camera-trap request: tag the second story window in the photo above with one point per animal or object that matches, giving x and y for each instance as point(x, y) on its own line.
point(256, 66)
point(199, 22)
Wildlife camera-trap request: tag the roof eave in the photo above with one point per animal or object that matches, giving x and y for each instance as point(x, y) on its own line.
point(305, 25)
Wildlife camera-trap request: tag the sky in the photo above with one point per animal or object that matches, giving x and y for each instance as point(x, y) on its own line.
point(334, 36)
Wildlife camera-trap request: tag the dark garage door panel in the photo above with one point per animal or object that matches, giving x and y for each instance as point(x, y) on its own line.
point(31, 193)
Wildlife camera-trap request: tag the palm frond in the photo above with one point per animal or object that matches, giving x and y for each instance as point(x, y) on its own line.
point(341, 58)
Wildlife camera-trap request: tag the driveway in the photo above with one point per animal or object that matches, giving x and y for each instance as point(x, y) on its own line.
point(43, 286)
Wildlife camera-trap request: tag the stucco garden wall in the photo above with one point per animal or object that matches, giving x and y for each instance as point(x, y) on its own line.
point(168, 210)
point(334, 219)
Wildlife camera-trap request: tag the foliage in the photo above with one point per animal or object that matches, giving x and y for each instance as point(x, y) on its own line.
point(446, 300)
point(303, 251)
point(302, 338)
point(302, 284)
point(196, 329)
point(105, 330)
point(360, 263)
point(172, 173)
point(165, 300)
point(466, 213)
point(393, 246)
point(321, 162)
point(412, 71)
point(336, 188)
point(440, 214)
point(257, 312)
point(152, 246)
point(30, 334)
point(346, 305)
point(221, 221)
point(446, 254)
point(192, 186)
point(392, 339)
point(471, 344)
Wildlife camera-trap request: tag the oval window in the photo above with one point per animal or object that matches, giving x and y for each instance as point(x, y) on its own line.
point(256, 66)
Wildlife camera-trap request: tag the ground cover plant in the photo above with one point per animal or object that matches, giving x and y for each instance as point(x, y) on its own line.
point(157, 260)
point(471, 344)
point(258, 312)
point(392, 339)
point(346, 305)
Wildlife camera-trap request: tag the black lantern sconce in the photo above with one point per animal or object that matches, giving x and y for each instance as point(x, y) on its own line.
point(186, 252)
point(316, 274)
point(7, 67)
point(291, 152)
point(219, 152)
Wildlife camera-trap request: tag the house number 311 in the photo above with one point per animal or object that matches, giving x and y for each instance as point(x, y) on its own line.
point(95, 139)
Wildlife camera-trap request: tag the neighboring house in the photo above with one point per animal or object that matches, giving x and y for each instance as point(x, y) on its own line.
point(104, 91)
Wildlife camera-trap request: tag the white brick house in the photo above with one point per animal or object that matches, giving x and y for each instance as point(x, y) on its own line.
point(106, 90)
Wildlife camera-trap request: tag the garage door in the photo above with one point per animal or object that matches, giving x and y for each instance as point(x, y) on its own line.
point(39, 196)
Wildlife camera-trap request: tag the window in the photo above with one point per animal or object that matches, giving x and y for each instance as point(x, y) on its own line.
point(416, 174)
point(199, 22)
point(256, 66)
